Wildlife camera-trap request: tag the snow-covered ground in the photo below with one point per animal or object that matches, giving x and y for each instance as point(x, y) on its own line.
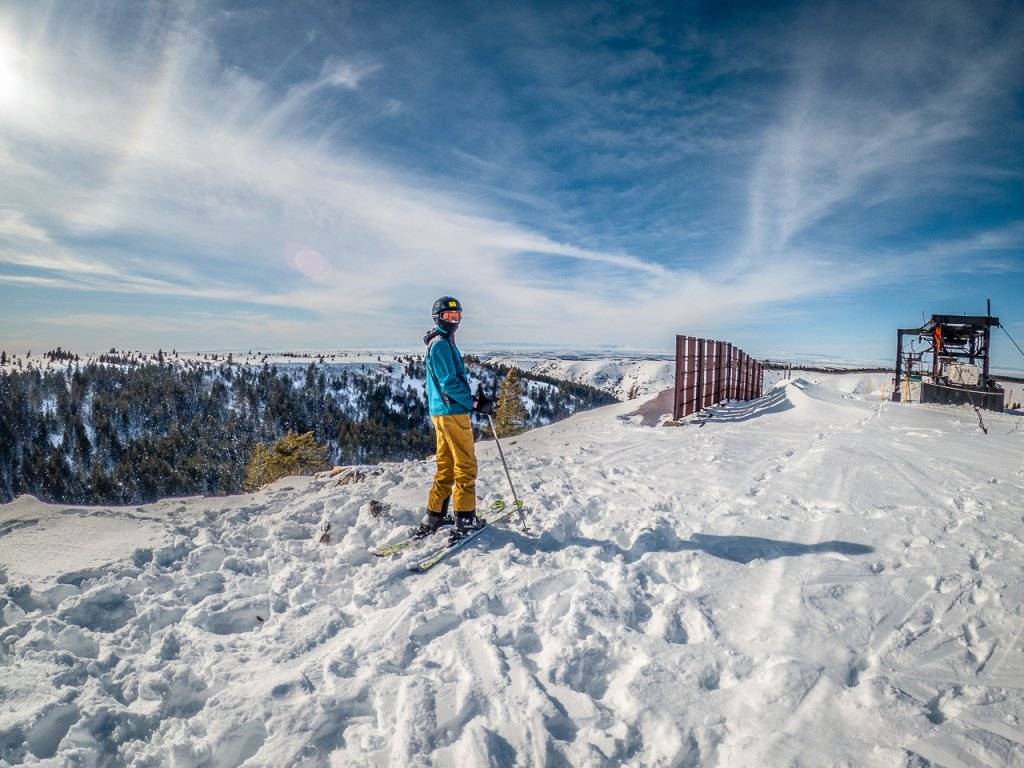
point(637, 377)
point(623, 377)
point(817, 578)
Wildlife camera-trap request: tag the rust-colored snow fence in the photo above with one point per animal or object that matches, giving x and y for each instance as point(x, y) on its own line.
point(708, 372)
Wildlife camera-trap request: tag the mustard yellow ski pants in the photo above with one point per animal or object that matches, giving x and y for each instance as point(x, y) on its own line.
point(456, 464)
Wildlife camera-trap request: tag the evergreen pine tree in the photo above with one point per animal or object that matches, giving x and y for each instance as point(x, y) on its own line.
point(510, 416)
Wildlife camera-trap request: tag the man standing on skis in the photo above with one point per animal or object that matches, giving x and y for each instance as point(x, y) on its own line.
point(450, 400)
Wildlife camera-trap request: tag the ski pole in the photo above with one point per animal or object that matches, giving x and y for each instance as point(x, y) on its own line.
point(515, 496)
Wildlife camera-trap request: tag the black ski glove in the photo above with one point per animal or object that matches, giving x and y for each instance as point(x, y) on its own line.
point(481, 405)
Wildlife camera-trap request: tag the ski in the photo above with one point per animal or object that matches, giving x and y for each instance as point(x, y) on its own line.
point(387, 550)
point(393, 549)
point(502, 512)
point(401, 545)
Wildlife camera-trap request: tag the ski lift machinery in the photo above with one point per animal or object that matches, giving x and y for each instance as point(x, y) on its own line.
point(958, 346)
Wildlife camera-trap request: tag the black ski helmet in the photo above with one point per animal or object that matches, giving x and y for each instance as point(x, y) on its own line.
point(444, 304)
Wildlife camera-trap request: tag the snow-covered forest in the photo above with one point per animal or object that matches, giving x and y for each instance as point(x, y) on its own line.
point(122, 430)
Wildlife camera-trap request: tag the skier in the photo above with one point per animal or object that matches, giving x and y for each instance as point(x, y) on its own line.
point(451, 401)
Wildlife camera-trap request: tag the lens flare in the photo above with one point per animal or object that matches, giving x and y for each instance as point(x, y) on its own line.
point(310, 263)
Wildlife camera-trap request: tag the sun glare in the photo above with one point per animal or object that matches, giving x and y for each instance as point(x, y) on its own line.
point(12, 82)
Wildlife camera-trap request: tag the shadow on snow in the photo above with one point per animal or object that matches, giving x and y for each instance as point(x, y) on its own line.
point(775, 401)
point(737, 549)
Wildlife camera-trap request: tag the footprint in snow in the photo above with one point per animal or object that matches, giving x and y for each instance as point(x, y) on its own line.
point(237, 617)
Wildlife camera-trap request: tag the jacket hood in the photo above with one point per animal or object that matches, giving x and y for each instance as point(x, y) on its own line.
point(434, 332)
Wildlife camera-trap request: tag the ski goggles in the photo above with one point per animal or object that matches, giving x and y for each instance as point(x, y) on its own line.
point(451, 315)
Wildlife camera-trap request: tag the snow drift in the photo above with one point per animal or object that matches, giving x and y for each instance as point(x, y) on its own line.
point(811, 578)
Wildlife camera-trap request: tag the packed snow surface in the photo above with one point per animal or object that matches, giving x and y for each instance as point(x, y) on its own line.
point(816, 578)
point(33, 536)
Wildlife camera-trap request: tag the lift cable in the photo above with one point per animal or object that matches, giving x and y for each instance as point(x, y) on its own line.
point(977, 410)
point(1022, 352)
point(1011, 338)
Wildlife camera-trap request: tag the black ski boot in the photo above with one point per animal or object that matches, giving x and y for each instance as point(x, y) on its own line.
point(465, 522)
point(432, 521)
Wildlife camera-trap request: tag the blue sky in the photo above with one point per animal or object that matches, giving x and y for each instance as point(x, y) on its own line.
point(798, 180)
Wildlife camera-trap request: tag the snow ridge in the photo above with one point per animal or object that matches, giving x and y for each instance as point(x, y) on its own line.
point(626, 378)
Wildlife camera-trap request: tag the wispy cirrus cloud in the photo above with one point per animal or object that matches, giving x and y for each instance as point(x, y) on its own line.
point(901, 114)
point(558, 180)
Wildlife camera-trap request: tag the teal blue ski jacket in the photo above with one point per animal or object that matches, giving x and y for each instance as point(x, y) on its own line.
point(448, 390)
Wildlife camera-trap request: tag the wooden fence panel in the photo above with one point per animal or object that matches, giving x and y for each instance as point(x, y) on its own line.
point(677, 398)
point(719, 372)
point(727, 371)
point(711, 393)
point(734, 371)
point(710, 366)
point(710, 371)
point(694, 364)
point(701, 375)
point(723, 372)
point(686, 380)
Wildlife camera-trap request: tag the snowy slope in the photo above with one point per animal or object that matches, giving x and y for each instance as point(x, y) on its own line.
point(642, 376)
point(620, 376)
point(815, 578)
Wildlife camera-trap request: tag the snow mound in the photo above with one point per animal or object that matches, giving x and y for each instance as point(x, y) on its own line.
point(813, 577)
point(825, 402)
point(797, 402)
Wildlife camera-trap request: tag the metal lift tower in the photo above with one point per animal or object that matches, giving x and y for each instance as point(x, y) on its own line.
point(958, 346)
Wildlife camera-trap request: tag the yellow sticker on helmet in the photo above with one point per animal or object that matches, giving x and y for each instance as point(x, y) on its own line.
point(453, 303)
